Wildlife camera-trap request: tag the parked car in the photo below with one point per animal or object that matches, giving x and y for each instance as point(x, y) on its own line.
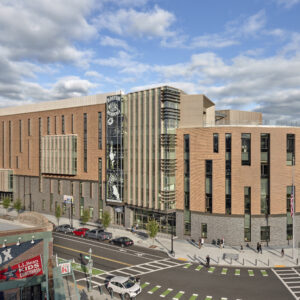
point(98, 234)
point(122, 241)
point(124, 286)
point(65, 228)
point(80, 231)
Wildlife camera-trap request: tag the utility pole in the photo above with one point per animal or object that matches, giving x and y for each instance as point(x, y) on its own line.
point(90, 269)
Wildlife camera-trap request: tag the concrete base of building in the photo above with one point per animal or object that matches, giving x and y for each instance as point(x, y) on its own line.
point(231, 228)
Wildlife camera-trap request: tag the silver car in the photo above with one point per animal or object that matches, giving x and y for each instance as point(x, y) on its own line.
point(98, 234)
point(124, 286)
point(65, 228)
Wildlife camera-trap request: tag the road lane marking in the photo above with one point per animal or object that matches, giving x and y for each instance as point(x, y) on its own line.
point(166, 292)
point(154, 289)
point(93, 255)
point(178, 295)
point(264, 273)
point(145, 284)
point(250, 272)
point(199, 268)
point(193, 297)
point(237, 272)
point(224, 271)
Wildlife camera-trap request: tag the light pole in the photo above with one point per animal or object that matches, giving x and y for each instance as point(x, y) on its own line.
point(172, 233)
point(90, 269)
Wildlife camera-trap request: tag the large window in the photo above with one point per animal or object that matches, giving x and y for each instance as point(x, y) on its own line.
point(265, 174)
point(187, 212)
point(246, 149)
point(99, 130)
point(228, 173)
point(203, 230)
point(265, 233)
point(289, 218)
point(290, 149)
point(247, 210)
point(208, 185)
point(85, 142)
point(48, 125)
point(63, 124)
point(216, 142)
point(29, 127)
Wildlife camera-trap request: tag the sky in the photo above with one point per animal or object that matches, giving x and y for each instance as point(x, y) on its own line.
point(242, 55)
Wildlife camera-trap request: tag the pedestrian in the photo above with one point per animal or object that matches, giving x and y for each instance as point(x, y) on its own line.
point(242, 248)
point(260, 248)
point(257, 247)
point(223, 242)
point(282, 252)
point(200, 243)
point(207, 261)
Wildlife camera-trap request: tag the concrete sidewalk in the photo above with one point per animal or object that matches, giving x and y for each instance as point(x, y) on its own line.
point(188, 250)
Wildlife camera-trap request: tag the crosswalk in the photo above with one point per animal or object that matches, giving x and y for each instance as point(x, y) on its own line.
point(226, 271)
point(290, 277)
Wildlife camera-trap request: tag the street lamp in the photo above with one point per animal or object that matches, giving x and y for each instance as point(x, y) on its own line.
point(90, 263)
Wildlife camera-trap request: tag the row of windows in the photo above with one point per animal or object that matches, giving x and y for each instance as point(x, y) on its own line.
point(265, 140)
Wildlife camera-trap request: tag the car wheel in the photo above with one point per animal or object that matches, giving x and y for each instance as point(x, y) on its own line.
point(126, 296)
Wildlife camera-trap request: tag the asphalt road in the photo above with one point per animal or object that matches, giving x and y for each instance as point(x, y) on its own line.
point(163, 276)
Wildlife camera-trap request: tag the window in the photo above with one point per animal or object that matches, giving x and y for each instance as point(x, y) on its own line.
point(48, 125)
point(63, 124)
point(99, 130)
point(72, 188)
point(11, 181)
point(203, 230)
point(247, 217)
point(290, 149)
point(81, 206)
point(265, 174)
point(20, 136)
point(80, 188)
point(91, 212)
point(29, 127)
point(85, 142)
point(265, 233)
point(187, 212)
point(55, 129)
point(208, 185)
point(17, 162)
point(216, 142)
point(72, 123)
point(246, 149)
point(91, 190)
point(59, 185)
point(289, 218)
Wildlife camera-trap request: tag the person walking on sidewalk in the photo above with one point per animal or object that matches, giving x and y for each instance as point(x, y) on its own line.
point(257, 247)
point(260, 248)
point(207, 261)
point(200, 243)
point(282, 252)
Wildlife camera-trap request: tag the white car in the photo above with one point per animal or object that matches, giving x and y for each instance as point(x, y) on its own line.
point(125, 286)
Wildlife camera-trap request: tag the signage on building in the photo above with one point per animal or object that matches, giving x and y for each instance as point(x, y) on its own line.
point(68, 199)
point(9, 253)
point(28, 268)
point(65, 268)
point(114, 149)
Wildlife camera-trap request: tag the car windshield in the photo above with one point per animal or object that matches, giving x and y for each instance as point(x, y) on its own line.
point(128, 284)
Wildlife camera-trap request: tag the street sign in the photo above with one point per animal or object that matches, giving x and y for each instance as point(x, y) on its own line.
point(65, 268)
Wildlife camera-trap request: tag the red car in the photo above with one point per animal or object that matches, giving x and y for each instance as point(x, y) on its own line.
point(80, 231)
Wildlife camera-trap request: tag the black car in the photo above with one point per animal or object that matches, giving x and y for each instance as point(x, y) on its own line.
point(123, 241)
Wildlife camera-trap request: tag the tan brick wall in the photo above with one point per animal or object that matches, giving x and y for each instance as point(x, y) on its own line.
point(201, 149)
point(33, 168)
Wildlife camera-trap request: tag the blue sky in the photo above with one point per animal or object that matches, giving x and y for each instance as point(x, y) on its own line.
point(241, 54)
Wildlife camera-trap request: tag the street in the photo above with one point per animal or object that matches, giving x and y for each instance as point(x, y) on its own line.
point(164, 277)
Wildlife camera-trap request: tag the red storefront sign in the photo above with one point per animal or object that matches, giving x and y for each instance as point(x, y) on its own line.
point(27, 268)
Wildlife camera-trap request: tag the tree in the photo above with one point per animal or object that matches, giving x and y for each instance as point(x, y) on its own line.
point(106, 219)
point(58, 213)
point(152, 228)
point(18, 205)
point(85, 216)
point(6, 203)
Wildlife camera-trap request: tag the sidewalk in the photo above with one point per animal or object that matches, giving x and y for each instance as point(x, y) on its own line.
point(187, 250)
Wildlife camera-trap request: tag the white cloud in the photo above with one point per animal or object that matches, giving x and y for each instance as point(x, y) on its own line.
point(212, 41)
point(154, 23)
point(113, 42)
point(288, 3)
point(254, 23)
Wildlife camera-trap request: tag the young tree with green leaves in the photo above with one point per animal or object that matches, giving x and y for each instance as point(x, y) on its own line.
point(152, 228)
point(85, 216)
point(106, 219)
point(18, 205)
point(6, 203)
point(58, 213)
